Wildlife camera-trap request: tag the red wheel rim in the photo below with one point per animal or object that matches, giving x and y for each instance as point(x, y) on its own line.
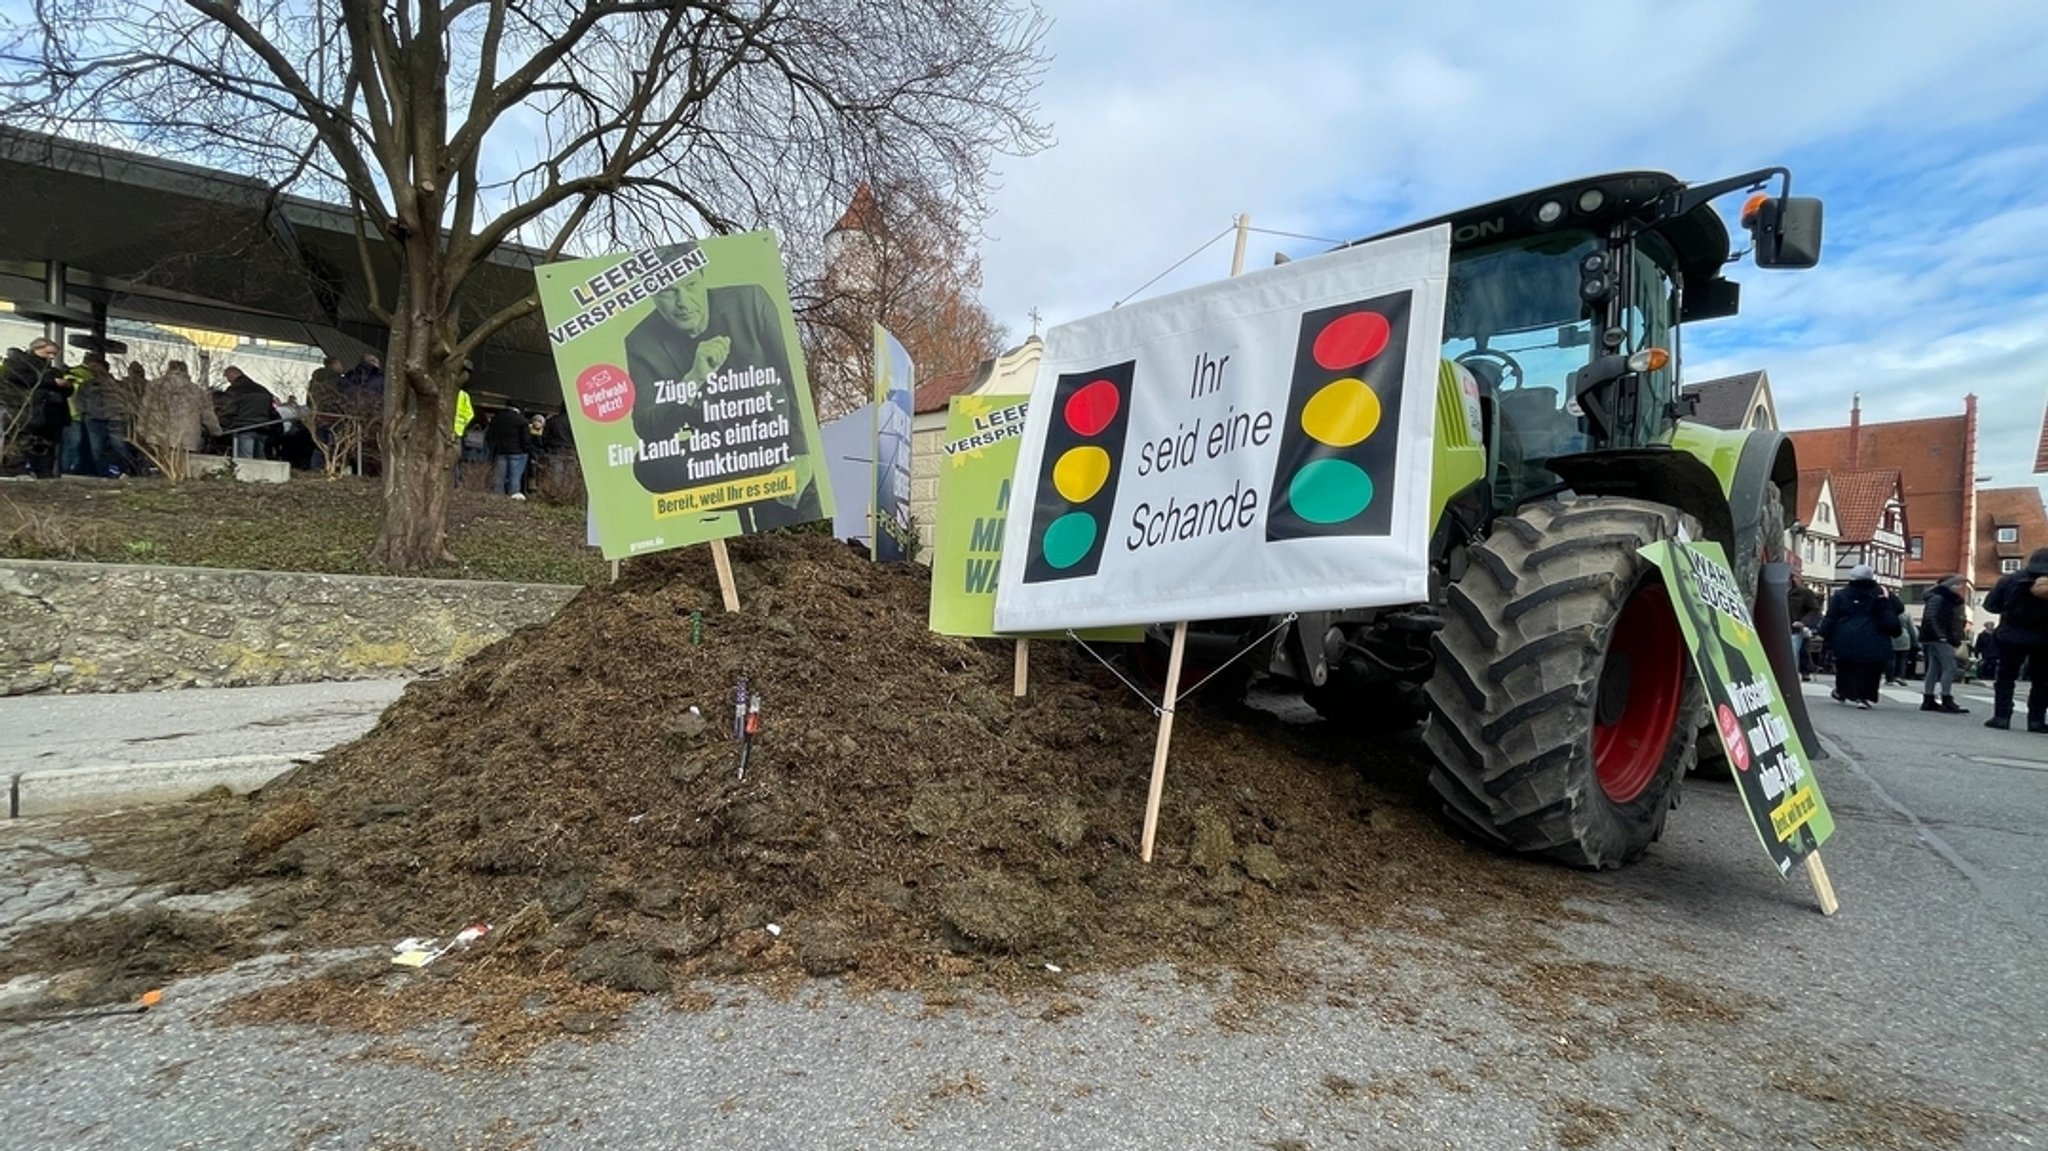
point(1641, 686)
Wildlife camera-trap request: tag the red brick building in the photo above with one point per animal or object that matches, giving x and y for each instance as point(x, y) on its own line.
point(2011, 523)
point(1937, 464)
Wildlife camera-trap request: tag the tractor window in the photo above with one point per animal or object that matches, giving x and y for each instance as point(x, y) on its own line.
point(1648, 321)
point(1514, 318)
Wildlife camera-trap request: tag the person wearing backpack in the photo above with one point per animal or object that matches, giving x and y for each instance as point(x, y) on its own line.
point(2021, 601)
point(1861, 621)
point(1941, 632)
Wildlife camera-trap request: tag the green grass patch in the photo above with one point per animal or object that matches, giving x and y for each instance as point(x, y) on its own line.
point(310, 524)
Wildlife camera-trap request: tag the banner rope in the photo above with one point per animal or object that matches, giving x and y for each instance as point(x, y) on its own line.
point(1176, 264)
point(1293, 235)
point(1135, 689)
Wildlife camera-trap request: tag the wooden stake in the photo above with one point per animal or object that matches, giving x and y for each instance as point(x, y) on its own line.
point(1818, 873)
point(615, 571)
point(1023, 676)
point(723, 563)
point(1180, 643)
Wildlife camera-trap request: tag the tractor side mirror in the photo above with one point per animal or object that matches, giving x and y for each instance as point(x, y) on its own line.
point(1785, 231)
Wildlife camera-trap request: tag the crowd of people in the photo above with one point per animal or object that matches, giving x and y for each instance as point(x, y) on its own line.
point(83, 420)
point(1864, 638)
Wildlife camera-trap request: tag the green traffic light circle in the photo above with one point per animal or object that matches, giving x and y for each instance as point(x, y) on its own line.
point(1068, 539)
point(1327, 491)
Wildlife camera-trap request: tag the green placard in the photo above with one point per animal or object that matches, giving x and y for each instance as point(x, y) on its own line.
point(1770, 763)
point(685, 385)
point(976, 462)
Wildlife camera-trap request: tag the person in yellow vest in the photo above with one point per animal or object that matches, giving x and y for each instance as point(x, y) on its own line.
point(464, 410)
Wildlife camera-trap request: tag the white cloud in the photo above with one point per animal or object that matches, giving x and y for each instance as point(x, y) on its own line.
point(1340, 119)
point(1337, 121)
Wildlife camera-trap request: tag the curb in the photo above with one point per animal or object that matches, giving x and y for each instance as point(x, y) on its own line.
point(103, 787)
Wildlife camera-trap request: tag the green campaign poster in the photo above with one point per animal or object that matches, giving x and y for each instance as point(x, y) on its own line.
point(1769, 762)
point(976, 460)
point(685, 386)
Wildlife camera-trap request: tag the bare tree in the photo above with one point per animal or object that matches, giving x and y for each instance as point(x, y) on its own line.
point(452, 127)
point(906, 262)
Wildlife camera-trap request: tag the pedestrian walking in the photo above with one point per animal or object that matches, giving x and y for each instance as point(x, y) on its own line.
point(1802, 607)
point(1941, 632)
point(1902, 655)
point(1986, 651)
point(2021, 601)
point(1861, 621)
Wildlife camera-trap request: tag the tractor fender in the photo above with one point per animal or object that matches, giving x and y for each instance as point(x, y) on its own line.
point(1657, 474)
point(1720, 478)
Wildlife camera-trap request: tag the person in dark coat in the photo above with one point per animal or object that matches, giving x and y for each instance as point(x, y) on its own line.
point(35, 404)
point(2021, 601)
point(1941, 633)
point(1985, 649)
point(19, 375)
point(49, 414)
point(250, 415)
point(510, 439)
point(1802, 607)
point(1861, 621)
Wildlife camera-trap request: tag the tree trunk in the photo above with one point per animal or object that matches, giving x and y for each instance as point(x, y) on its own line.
point(419, 444)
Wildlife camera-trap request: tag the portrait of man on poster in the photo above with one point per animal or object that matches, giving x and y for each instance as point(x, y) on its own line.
point(694, 331)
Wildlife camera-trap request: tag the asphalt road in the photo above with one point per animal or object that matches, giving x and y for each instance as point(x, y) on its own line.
point(1916, 1017)
point(63, 753)
point(155, 728)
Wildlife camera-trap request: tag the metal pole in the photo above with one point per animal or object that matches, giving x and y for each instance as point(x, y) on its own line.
point(1244, 232)
point(55, 291)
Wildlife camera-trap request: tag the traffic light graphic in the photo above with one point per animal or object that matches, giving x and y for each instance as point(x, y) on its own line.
point(1334, 474)
point(1078, 473)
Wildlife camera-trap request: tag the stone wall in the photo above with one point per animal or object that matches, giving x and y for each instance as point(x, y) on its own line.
point(117, 627)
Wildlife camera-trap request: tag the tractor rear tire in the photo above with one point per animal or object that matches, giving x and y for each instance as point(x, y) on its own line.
point(1564, 704)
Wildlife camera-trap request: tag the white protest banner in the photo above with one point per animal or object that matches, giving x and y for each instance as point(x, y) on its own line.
point(1250, 447)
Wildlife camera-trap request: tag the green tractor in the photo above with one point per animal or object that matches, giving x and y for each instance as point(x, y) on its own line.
point(1562, 708)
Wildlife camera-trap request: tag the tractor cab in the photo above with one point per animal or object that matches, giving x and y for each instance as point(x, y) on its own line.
point(1564, 304)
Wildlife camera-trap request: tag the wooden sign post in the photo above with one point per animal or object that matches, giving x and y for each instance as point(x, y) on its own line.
point(1157, 790)
point(1022, 680)
point(723, 562)
point(1817, 872)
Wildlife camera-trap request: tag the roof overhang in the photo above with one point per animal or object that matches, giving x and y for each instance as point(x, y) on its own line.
point(171, 243)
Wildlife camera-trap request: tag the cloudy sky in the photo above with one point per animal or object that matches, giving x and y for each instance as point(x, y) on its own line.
point(1924, 127)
